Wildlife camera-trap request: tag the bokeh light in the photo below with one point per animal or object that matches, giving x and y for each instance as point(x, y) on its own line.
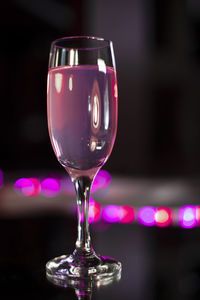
point(102, 180)
point(1, 178)
point(36, 188)
point(126, 214)
point(146, 215)
point(198, 214)
point(94, 211)
point(28, 186)
point(111, 213)
point(50, 187)
point(163, 216)
point(19, 184)
point(187, 216)
point(67, 186)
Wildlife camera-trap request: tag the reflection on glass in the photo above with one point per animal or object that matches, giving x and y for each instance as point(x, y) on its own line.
point(93, 143)
point(96, 112)
point(57, 147)
point(58, 82)
point(96, 108)
point(84, 288)
point(115, 91)
point(101, 65)
point(48, 84)
point(70, 82)
point(106, 108)
point(73, 57)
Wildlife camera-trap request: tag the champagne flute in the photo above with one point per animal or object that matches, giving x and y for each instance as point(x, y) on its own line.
point(82, 108)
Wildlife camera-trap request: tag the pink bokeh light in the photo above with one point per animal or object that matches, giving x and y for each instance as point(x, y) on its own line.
point(163, 216)
point(28, 186)
point(146, 215)
point(50, 187)
point(102, 180)
point(111, 213)
point(19, 183)
point(1, 178)
point(198, 214)
point(94, 211)
point(187, 216)
point(127, 214)
point(67, 186)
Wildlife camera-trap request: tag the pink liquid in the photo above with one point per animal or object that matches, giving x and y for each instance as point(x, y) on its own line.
point(82, 115)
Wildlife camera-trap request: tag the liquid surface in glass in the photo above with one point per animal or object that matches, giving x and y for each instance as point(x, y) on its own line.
point(82, 114)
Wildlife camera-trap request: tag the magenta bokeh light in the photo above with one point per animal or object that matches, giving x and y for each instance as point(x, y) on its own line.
point(1, 178)
point(50, 187)
point(19, 183)
point(94, 211)
point(111, 213)
point(35, 188)
point(126, 214)
point(28, 186)
point(102, 180)
point(146, 215)
point(67, 186)
point(187, 216)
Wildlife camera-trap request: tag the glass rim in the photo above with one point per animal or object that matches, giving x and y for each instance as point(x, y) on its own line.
point(83, 37)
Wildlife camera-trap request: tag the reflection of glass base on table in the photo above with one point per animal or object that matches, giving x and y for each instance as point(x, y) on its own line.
point(64, 272)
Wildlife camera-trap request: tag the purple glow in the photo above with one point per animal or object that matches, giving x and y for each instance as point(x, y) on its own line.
point(50, 187)
point(28, 186)
point(101, 226)
point(94, 211)
point(102, 180)
point(35, 188)
point(67, 186)
point(1, 178)
point(126, 214)
point(111, 213)
point(146, 215)
point(19, 184)
point(187, 216)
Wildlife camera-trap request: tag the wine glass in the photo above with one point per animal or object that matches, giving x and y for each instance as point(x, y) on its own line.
point(82, 108)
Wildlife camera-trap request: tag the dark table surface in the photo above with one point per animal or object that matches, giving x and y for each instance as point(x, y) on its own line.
point(158, 263)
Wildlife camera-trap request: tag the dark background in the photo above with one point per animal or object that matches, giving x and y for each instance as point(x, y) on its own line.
point(157, 49)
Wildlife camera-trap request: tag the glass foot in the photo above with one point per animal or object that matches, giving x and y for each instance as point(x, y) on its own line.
point(67, 269)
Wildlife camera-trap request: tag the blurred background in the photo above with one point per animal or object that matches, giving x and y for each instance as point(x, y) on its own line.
point(157, 51)
point(148, 215)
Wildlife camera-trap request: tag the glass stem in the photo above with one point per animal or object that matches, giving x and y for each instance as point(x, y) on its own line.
point(84, 294)
point(82, 186)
